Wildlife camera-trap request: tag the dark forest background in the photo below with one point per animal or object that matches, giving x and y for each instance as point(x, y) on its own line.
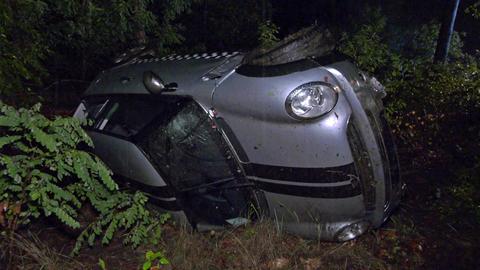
point(50, 50)
point(47, 42)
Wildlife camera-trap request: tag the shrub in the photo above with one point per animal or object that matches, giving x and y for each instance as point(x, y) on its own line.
point(466, 191)
point(43, 172)
point(433, 108)
point(426, 103)
point(366, 46)
point(431, 101)
point(267, 34)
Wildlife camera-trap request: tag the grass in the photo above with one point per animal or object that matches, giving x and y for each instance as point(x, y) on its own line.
point(260, 246)
point(29, 252)
point(254, 246)
point(416, 236)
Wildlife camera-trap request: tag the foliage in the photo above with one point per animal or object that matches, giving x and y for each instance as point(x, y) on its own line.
point(433, 108)
point(424, 99)
point(432, 102)
point(23, 46)
point(222, 25)
point(268, 33)
point(401, 244)
point(169, 32)
point(103, 28)
point(370, 46)
point(367, 46)
point(79, 38)
point(152, 257)
point(474, 10)
point(43, 172)
point(97, 24)
point(465, 191)
point(102, 264)
point(421, 46)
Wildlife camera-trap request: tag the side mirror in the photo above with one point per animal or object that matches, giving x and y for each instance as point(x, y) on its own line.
point(155, 84)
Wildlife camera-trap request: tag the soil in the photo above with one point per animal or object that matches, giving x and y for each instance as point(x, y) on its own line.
point(417, 236)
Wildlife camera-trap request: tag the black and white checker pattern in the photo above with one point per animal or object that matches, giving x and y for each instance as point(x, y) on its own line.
point(176, 57)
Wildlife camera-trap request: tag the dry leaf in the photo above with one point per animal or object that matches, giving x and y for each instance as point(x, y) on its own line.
point(278, 263)
point(3, 208)
point(17, 208)
point(311, 263)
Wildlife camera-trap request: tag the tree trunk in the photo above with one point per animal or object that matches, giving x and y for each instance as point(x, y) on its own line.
point(140, 34)
point(205, 23)
point(446, 31)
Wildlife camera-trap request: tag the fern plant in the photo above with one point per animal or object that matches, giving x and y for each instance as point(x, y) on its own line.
point(43, 171)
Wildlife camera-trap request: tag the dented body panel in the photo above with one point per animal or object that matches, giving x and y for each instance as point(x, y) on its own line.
point(319, 178)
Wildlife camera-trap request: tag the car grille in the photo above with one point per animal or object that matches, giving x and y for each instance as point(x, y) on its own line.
point(363, 166)
point(363, 163)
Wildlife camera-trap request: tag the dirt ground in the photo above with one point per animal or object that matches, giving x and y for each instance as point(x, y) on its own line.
point(417, 236)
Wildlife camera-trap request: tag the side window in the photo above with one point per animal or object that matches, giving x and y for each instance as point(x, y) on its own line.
point(125, 116)
point(94, 107)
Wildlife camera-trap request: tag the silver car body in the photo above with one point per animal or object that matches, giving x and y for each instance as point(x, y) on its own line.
point(315, 178)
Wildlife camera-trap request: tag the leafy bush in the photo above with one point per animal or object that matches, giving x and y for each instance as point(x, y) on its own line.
point(46, 40)
point(22, 44)
point(433, 99)
point(432, 108)
point(423, 41)
point(466, 192)
point(267, 34)
point(367, 46)
point(424, 100)
point(44, 172)
point(474, 10)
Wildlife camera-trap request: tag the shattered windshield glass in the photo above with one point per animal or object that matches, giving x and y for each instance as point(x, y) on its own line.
point(185, 150)
point(188, 150)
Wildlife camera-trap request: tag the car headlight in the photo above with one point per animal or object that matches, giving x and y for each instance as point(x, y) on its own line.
point(311, 100)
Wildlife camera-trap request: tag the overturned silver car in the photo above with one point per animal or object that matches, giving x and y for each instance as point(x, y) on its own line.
point(294, 133)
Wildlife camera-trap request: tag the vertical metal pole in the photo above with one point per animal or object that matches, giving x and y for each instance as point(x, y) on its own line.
point(446, 31)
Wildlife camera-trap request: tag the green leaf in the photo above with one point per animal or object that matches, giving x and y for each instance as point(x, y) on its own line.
point(56, 178)
point(80, 170)
point(91, 239)
point(6, 121)
point(109, 232)
point(164, 261)
point(147, 265)
point(150, 255)
point(44, 139)
point(65, 218)
point(105, 175)
point(101, 264)
point(34, 195)
point(8, 140)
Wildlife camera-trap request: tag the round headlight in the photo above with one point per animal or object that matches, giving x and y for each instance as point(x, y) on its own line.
point(311, 100)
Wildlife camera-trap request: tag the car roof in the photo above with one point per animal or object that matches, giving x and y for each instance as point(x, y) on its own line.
point(191, 72)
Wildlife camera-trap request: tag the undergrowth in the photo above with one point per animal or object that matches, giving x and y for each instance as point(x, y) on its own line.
point(47, 170)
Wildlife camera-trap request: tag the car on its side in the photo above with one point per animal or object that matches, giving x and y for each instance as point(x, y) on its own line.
point(295, 133)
